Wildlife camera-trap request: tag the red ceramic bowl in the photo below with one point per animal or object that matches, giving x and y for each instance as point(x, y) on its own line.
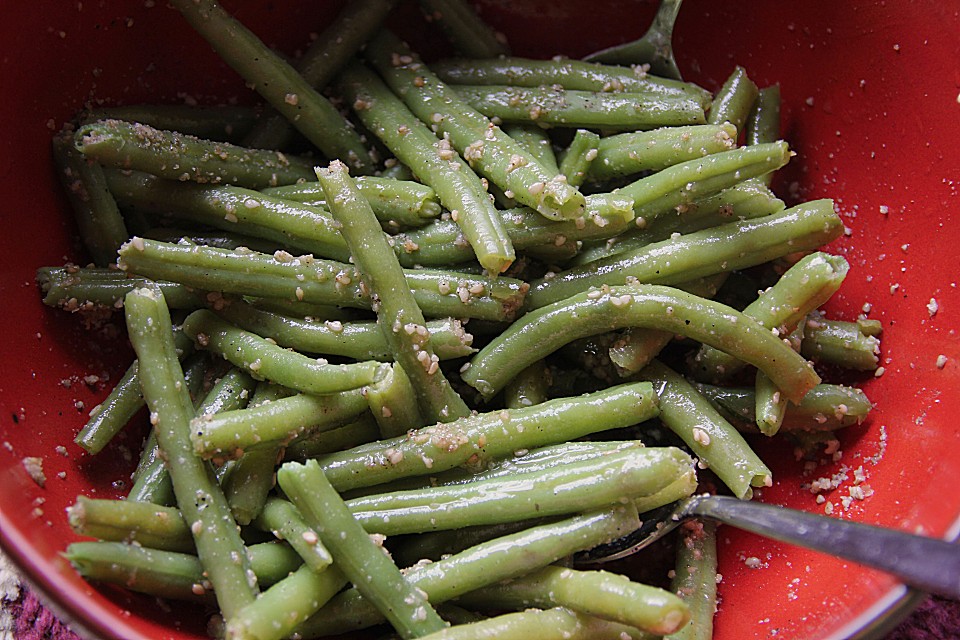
point(871, 105)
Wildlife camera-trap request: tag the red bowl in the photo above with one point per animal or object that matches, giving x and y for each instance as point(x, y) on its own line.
point(871, 105)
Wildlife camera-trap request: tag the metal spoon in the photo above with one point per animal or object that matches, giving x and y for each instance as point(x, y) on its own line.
point(928, 564)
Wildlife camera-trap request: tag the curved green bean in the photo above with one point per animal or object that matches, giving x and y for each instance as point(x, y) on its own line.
point(734, 99)
point(629, 153)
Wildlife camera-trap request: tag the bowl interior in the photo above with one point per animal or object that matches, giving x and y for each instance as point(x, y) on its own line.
point(871, 98)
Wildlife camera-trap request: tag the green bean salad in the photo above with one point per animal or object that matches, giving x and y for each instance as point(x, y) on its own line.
point(412, 336)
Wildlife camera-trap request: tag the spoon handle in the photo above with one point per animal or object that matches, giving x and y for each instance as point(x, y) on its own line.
point(929, 564)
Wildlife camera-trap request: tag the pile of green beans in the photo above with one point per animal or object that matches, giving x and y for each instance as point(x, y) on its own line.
point(460, 353)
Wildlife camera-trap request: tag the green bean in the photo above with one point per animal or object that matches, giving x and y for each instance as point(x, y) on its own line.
point(393, 403)
point(231, 433)
point(356, 554)
point(281, 608)
point(602, 594)
point(803, 287)
point(397, 203)
point(84, 289)
point(277, 82)
point(486, 563)
point(356, 433)
point(306, 310)
point(318, 65)
point(216, 239)
point(177, 156)
point(468, 32)
point(567, 73)
point(746, 200)
point(557, 107)
point(151, 525)
point(434, 161)
point(264, 360)
point(151, 482)
point(763, 122)
point(360, 340)
point(654, 48)
point(711, 438)
point(311, 280)
point(475, 439)
point(579, 156)
point(99, 222)
point(234, 209)
point(281, 518)
point(545, 330)
point(573, 488)
point(530, 387)
point(223, 123)
point(399, 317)
point(678, 186)
point(537, 142)
point(550, 624)
point(118, 408)
point(735, 245)
point(625, 154)
point(770, 405)
point(734, 99)
point(695, 580)
point(826, 407)
point(480, 142)
point(201, 502)
point(169, 574)
point(635, 347)
point(851, 345)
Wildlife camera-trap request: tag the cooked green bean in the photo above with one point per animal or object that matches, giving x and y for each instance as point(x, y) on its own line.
point(231, 433)
point(169, 574)
point(282, 519)
point(202, 504)
point(625, 154)
point(223, 123)
point(101, 227)
point(558, 107)
point(281, 608)
point(545, 330)
point(478, 438)
point(265, 360)
point(695, 580)
point(711, 438)
point(537, 142)
point(735, 245)
point(360, 340)
point(678, 186)
point(579, 156)
point(653, 49)
point(565, 72)
point(770, 405)
point(84, 288)
point(393, 403)
point(318, 65)
point(399, 317)
point(397, 203)
point(470, 35)
point(734, 100)
point(277, 82)
point(356, 554)
point(361, 431)
point(486, 563)
point(530, 387)
point(480, 142)
point(851, 345)
point(802, 288)
point(176, 156)
point(825, 408)
point(763, 122)
point(434, 161)
point(233, 209)
point(549, 624)
point(150, 525)
point(606, 595)
point(585, 485)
